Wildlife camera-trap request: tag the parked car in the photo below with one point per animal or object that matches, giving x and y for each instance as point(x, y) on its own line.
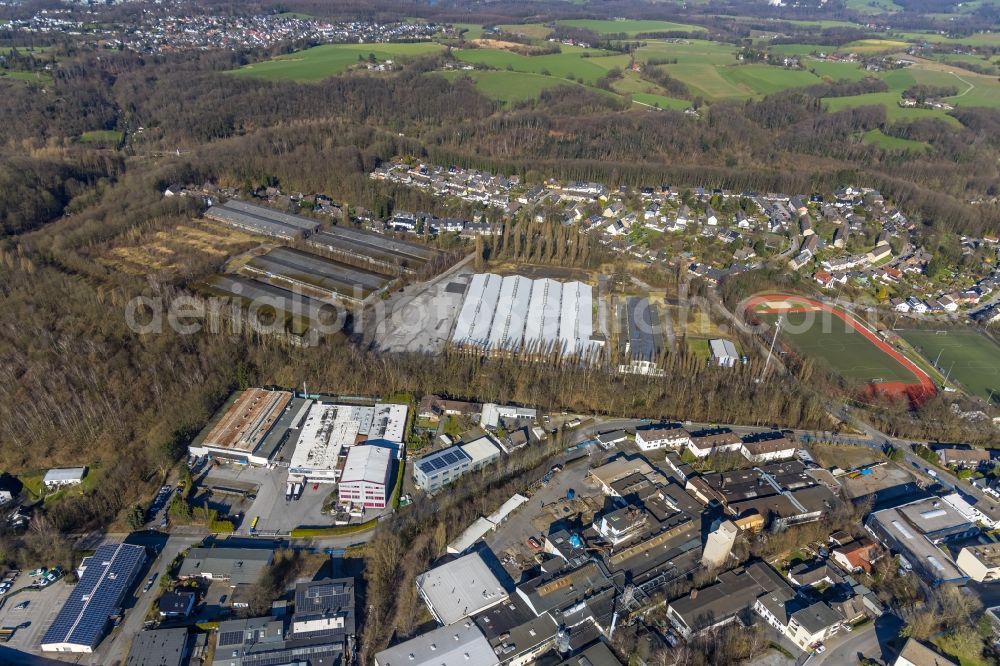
point(22, 605)
point(37, 572)
point(533, 543)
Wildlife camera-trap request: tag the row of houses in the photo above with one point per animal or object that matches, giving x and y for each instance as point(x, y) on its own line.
point(756, 447)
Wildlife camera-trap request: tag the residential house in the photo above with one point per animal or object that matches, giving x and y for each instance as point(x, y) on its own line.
point(661, 435)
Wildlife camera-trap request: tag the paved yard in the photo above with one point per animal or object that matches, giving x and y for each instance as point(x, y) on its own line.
point(42, 608)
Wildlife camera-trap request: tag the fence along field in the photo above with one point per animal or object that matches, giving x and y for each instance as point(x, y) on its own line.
point(969, 357)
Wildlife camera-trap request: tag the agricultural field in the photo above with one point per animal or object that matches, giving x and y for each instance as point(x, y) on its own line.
point(972, 359)
point(798, 49)
point(630, 28)
point(987, 39)
point(688, 51)
point(510, 87)
point(472, 30)
point(876, 137)
point(759, 79)
point(320, 62)
point(873, 6)
point(531, 30)
point(836, 71)
point(870, 46)
point(565, 65)
point(660, 101)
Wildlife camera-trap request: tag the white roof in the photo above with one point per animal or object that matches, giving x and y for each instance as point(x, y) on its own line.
point(458, 645)
point(481, 449)
point(723, 348)
point(327, 430)
point(508, 507)
point(389, 422)
point(473, 533)
point(367, 463)
point(64, 474)
point(460, 588)
point(516, 312)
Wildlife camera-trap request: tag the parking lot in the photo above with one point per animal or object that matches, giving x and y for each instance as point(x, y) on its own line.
point(548, 506)
point(32, 621)
point(420, 318)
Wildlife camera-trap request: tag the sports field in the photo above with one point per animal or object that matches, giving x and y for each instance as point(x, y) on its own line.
point(972, 358)
point(840, 341)
point(320, 62)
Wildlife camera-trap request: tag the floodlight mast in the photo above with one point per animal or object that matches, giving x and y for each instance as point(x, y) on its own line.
point(770, 351)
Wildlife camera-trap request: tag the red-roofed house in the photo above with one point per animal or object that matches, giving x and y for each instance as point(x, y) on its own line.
point(824, 278)
point(856, 555)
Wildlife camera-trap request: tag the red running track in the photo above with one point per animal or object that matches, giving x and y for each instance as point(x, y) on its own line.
point(918, 393)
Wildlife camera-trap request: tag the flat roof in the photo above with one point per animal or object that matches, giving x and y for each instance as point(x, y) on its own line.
point(932, 514)
point(438, 461)
point(455, 645)
point(329, 429)
point(460, 588)
point(246, 421)
point(367, 463)
point(480, 449)
point(159, 647)
point(918, 549)
point(643, 329)
point(388, 422)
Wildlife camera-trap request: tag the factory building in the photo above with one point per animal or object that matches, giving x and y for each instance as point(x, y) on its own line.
point(330, 430)
point(86, 615)
point(262, 220)
point(365, 479)
point(250, 427)
point(516, 315)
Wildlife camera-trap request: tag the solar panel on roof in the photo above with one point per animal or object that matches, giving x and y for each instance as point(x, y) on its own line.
point(230, 638)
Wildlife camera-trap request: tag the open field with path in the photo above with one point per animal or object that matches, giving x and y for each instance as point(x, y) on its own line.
point(320, 62)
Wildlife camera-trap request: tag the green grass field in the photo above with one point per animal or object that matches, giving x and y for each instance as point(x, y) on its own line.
point(827, 338)
point(320, 62)
point(766, 79)
point(691, 51)
point(512, 86)
point(630, 27)
point(532, 30)
point(873, 6)
point(43, 78)
point(569, 63)
point(876, 137)
point(660, 101)
point(987, 39)
point(101, 136)
point(890, 100)
point(868, 46)
point(798, 49)
point(972, 358)
point(472, 30)
point(836, 71)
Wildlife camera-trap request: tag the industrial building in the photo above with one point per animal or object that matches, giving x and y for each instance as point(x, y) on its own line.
point(365, 479)
point(382, 254)
point(160, 647)
point(64, 476)
point(494, 415)
point(324, 610)
point(640, 336)
point(237, 566)
point(329, 430)
point(438, 469)
point(86, 615)
point(916, 529)
point(261, 220)
point(458, 645)
point(316, 275)
point(518, 315)
point(460, 588)
point(249, 427)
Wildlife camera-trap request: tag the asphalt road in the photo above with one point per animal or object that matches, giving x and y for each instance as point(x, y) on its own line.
point(872, 640)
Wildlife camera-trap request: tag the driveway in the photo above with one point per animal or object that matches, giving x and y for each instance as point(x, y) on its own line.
point(871, 640)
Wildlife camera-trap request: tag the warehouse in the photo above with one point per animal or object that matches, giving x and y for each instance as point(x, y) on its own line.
point(365, 479)
point(239, 430)
point(315, 274)
point(261, 220)
point(261, 298)
point(460, 588)
point(515, 314)
point(641, 336)
point(330, 430)
point(724, 353)
point(64, 476)
point(380, 253)
point(86, 616)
